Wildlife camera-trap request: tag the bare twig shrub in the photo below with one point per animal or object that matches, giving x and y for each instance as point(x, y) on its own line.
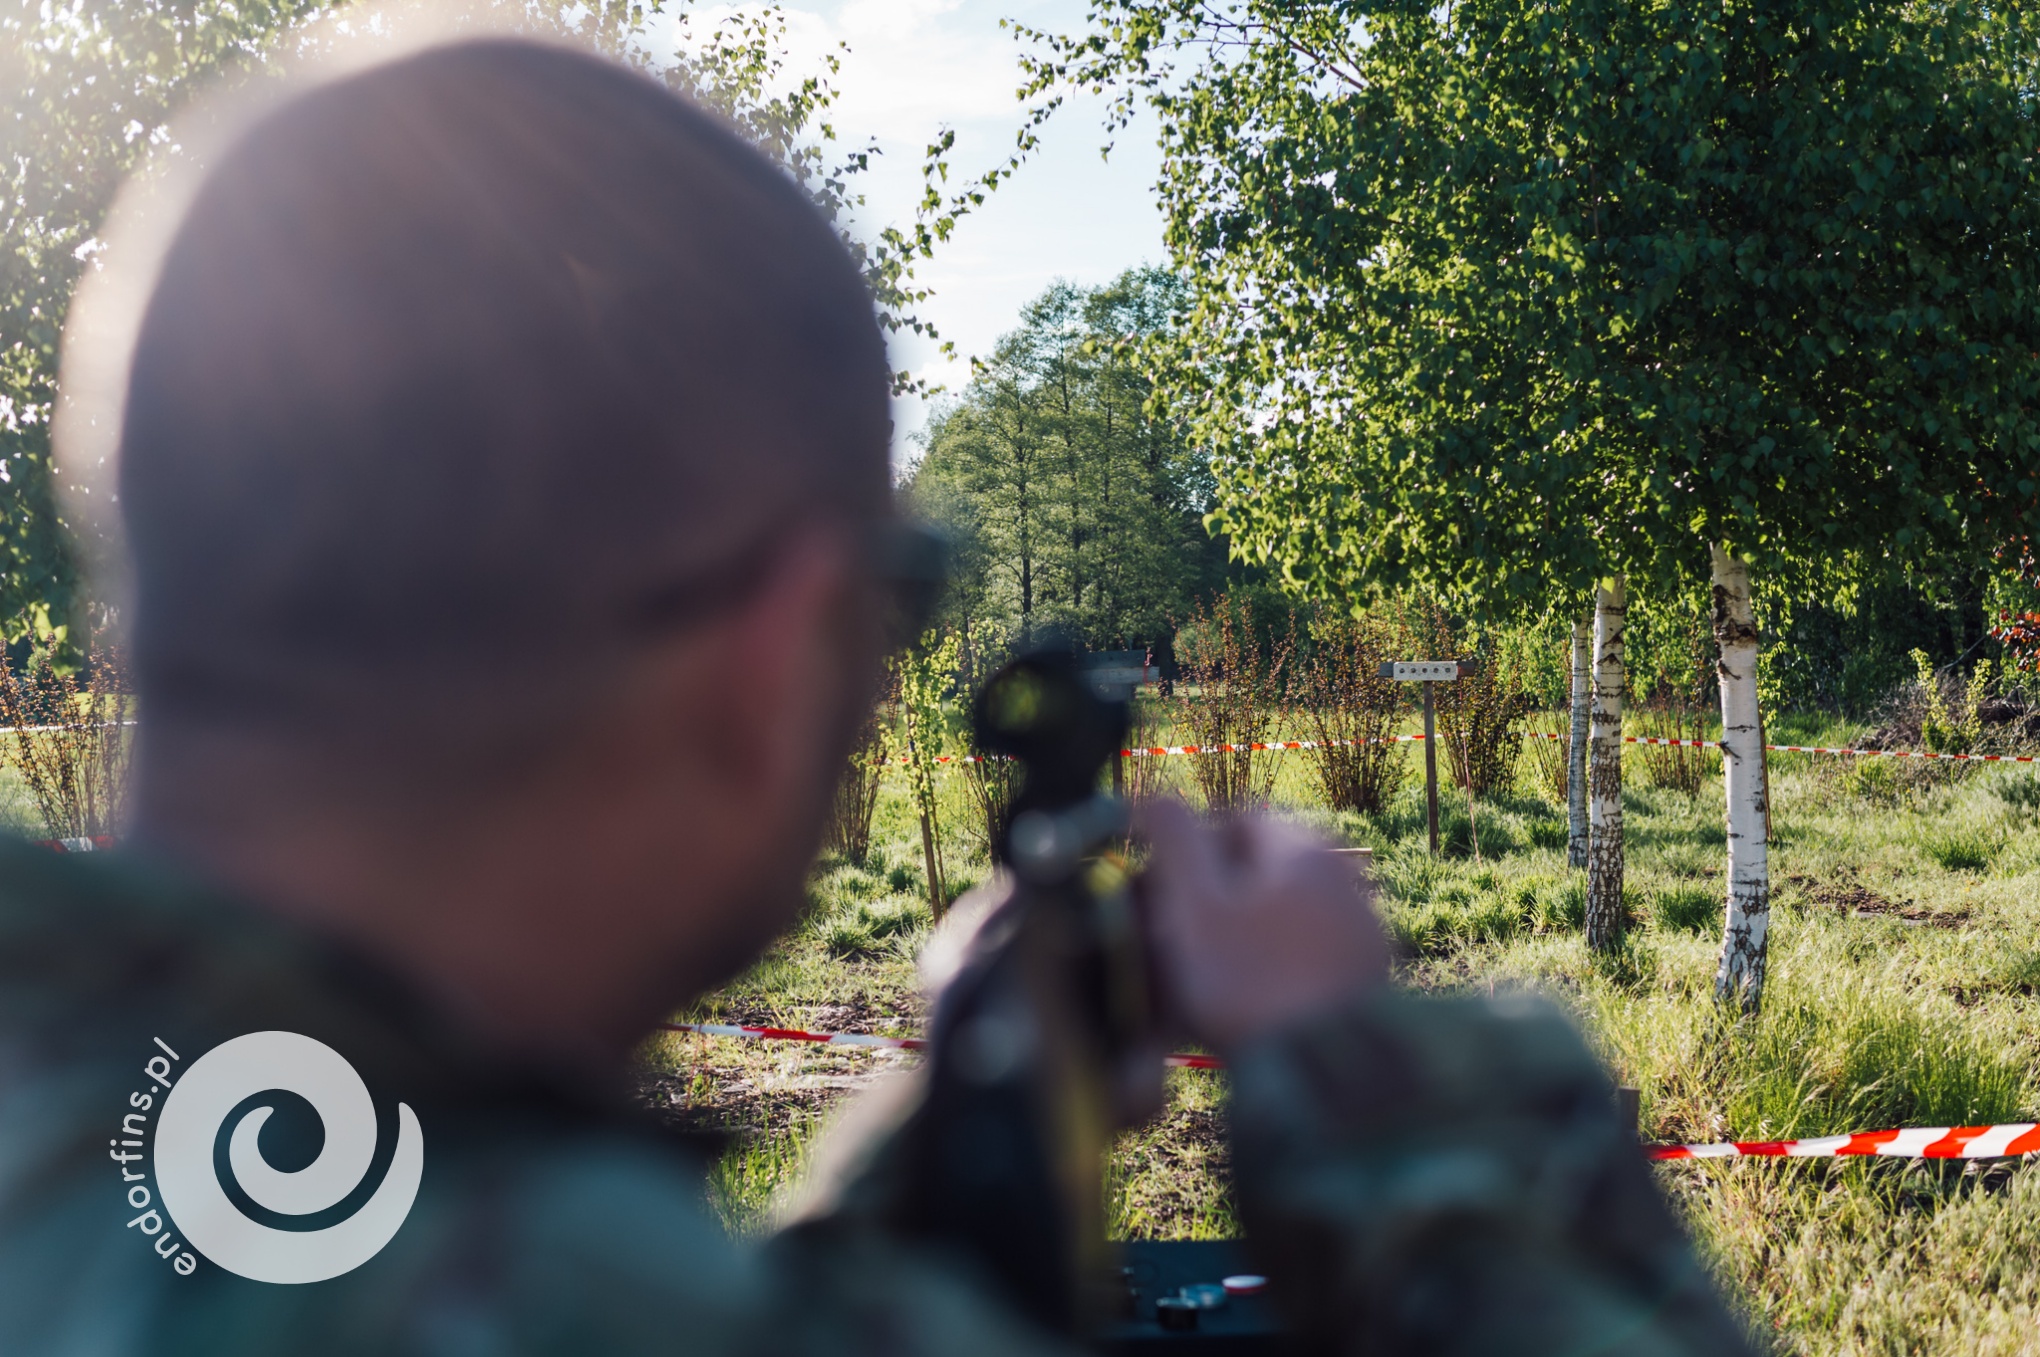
point(1350, 711)
point(71, 744)
point(1480, 714)
point(992, 780)
point(1675, 708)
point(1146, 776)
point(1551, 759)
point(1238, 688)
point(848, 832)
point(1681, 767)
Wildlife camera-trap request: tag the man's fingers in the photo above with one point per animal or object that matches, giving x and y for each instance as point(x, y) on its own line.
point(1183, 849)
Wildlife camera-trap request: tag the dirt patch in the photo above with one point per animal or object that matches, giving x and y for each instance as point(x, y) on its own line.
point(761, 1098)
point(1856, 900)
point(901, 1016)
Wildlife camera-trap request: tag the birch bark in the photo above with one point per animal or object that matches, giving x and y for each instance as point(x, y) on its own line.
point(1604, 777)
point(1576, 750)
point(1739, 979)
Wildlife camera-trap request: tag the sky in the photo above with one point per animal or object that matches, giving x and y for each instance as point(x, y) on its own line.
point(914, 67)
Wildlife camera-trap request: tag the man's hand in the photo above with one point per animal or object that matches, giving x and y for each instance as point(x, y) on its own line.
point(1253, 925)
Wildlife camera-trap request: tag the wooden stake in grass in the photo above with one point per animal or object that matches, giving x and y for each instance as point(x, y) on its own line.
point(1604, 846)
point(1739, 978)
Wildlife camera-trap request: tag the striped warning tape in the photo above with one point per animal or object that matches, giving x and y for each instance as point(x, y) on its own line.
point(1160, 751)
point(1184, 1060)
point(1911, 1142)
point(97, 843)
point(81, 726)
point(1811, 749)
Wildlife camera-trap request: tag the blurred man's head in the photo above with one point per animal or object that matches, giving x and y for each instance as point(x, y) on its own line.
point(504, 445)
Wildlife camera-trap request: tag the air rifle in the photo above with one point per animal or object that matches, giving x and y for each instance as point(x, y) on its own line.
point(1049, 1004)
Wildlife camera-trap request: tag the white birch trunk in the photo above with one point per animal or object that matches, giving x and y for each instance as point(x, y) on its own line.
point(1576, 752)
point(1739, 979)
point(1604, 774)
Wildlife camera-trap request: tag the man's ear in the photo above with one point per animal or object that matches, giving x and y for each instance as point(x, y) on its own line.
point(758, 694)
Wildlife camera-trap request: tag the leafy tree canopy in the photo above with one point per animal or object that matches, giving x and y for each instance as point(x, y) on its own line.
point(1497, 296)
point(1070, 504)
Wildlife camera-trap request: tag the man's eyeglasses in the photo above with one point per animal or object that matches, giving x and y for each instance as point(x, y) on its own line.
point(908, 561)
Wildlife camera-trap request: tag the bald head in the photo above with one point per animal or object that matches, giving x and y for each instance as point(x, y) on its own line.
point(459, 374)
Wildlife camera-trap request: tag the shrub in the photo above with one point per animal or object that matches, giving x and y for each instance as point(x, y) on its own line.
point(848, 831)
point(1681, 767)
point(1951, 727)
point(1480, 716)
point(1551, 760)
point(1349, 711)
point(1144, 777)
point(991, 780)
point(71, 744)
point(1874, 780)
point(2021, 792)
point(1238, 685)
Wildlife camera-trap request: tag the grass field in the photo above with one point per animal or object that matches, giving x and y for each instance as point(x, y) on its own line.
point(1904, 967)
point(1904, 989)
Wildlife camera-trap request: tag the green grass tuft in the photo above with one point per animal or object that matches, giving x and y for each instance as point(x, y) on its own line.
point(1686, 907)
point(1962, 848)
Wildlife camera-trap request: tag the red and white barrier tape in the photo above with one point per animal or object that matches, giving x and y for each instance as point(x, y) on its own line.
point(711, 1029)
point(46, 730)
point(1812, 749)
point(98, 843)
point(1911, 1142)
point(1157, 751)
point(1160, 751)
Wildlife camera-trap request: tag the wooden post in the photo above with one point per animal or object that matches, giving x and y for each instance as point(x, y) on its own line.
point(1431, 766)
point(1629, 1107)
point(1428, 672)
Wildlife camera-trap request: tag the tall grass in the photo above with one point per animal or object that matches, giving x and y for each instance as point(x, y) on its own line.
point(751, 1183)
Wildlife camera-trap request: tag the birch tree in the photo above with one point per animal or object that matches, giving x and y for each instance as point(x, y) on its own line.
point(1498, 298)
point(1576, 748)
point(1604, 776)
point(1740, 975)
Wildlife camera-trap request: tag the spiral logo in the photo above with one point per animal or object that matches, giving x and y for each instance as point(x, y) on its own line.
point(303, 1223)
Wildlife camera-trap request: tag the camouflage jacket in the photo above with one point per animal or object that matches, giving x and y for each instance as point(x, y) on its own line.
point(1421, 1176)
